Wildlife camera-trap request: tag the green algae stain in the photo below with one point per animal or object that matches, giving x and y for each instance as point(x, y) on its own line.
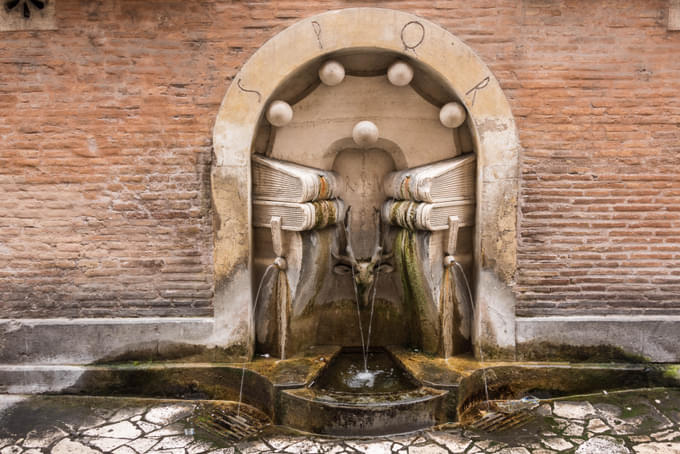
point(414, 290)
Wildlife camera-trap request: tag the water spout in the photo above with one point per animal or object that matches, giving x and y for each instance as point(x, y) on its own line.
point(449, 262)
point(282, 285)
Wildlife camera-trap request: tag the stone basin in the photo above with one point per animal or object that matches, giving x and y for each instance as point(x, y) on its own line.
point(342, 401)
point(294, 393)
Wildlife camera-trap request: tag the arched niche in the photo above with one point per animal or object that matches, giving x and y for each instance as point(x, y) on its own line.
point(299, 50)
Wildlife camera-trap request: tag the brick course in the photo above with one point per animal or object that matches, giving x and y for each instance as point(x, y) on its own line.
point(105, 149)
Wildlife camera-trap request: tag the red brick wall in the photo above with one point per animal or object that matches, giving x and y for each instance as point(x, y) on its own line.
point(595, 88)
point(105, 149)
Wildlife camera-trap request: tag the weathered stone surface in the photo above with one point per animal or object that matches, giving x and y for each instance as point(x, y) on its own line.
point(599, 445)
point(142, 445)
point(106, 444)
point(133, 414)
point(573, 430)
point(124, 450)
point(12, 449)
point(516, 450)
point(67, 446)
point(453, 442)
point(147, 427)
point(43, 438)
point(172, 429)
point(124, 429)
point(199, 447)
point(384, 447)
point(168, 414)
point(596, 425)
point(558, 444)
point(573, 410)
point(173, 442)
point(427, 449)
point(656, 448)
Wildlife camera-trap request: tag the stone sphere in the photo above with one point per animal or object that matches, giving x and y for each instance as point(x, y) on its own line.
point(365, 133)
point(279, 113)
point(400, 73)
point(331, 73)
point(452, 115)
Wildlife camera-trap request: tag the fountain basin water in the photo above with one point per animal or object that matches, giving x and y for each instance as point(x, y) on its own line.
point(347, 399)
point(346, 374)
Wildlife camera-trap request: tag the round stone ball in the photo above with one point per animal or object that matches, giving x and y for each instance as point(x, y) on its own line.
point(279, 113)
point(400, 74)
point(365, 133)
point(452, 115)
point(331, 73)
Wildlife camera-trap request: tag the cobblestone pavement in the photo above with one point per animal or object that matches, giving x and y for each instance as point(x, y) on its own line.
point(636, 422)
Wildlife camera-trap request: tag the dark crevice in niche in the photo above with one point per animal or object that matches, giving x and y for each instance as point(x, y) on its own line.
point(23, 6)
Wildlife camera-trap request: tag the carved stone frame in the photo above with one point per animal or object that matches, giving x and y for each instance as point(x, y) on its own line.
point(492, 127)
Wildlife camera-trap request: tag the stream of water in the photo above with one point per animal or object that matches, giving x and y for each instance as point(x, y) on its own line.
point(366, 375)
point(243, 367)
point(479, 327)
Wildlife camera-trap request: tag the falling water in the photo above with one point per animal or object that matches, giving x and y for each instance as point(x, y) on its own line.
point(375, 289)
point(243, 368)
point(367, 377)
point(479, 327)
point(361, 329)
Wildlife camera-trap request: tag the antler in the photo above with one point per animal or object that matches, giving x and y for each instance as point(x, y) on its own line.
point(377, 252)
point(376, 258)
point(363, 271)
point(350, 258)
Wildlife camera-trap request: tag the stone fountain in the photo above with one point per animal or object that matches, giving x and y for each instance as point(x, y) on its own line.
point(406, 167)
point(363, 206)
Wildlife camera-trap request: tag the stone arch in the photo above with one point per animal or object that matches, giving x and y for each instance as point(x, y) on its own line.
point(457, 67)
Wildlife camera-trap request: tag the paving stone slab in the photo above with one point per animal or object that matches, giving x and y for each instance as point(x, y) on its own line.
point(67, 446)
point(601, 445)
point(657, 448)
point(573, 410)
point(453, 442)
point(557, 444)
point(166, 414)
point(124, 429)
point(142, 445)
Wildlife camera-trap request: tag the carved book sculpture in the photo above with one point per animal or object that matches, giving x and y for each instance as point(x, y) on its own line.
point(299, 217)
point(303, 197)
point(287, 182)
point(425, 197)
point(444, 181)
point(428, 216)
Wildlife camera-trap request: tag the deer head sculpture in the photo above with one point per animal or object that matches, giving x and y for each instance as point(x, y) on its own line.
point(363, 270)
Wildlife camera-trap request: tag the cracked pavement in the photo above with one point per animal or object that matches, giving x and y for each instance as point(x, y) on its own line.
point(631, 422)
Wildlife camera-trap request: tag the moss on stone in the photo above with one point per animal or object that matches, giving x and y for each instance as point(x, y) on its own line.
point(542, 351)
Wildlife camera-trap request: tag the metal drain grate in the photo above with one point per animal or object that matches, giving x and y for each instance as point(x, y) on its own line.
point(499, 415)
point(227, 421)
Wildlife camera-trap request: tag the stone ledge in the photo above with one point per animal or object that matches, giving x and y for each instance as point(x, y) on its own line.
point(651, 338)
point(88, 340)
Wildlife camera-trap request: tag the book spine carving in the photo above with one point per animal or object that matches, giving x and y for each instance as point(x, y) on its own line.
point(427, 216)
point(287, 182)
point(299, 217)
point(424, 197)
point(304, 197)
point(444, 181)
